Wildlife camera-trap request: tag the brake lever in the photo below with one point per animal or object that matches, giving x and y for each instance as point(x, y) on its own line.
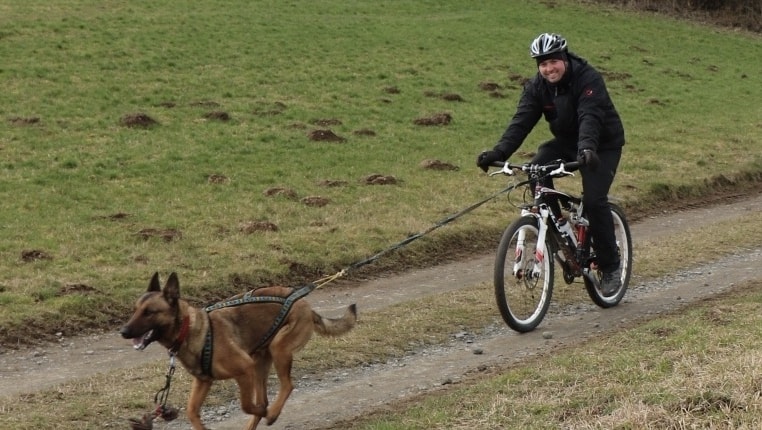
point(561, 170)
point(505, 170)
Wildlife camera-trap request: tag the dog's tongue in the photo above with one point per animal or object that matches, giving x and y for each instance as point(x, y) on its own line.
point(139, 343)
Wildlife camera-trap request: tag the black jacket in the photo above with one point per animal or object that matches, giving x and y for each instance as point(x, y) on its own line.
point(578, 109)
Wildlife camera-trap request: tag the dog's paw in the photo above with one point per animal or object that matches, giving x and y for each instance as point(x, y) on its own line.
point(144, 423)
point(169, 413)
point(271, 420)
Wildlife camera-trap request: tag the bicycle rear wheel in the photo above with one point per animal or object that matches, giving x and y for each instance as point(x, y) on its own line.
point(624, 247)
point(523, 276)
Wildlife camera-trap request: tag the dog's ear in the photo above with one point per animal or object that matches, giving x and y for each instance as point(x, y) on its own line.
point(154, 285)
point(172, 289)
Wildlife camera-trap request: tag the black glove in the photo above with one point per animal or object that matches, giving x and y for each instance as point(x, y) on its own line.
point(589, 158)
point(486, 158)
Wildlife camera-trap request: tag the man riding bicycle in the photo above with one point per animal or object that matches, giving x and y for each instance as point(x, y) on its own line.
point(573, 98)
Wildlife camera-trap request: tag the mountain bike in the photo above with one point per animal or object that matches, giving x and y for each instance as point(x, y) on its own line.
point(551, 228)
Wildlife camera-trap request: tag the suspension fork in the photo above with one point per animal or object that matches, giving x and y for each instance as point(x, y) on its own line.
point(540, 252)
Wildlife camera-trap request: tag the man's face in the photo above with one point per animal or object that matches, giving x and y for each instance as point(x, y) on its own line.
point(552, 70)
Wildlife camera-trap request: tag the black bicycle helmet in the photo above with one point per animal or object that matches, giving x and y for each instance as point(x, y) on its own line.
point(547, 44)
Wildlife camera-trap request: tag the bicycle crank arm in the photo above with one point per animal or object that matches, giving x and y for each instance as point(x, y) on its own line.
point(590, 275)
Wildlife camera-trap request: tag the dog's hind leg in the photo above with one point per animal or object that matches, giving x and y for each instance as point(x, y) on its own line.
point(199, 390)
point(283, 369)
point(290, 339)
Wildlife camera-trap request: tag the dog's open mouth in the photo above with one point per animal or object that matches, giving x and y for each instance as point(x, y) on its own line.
point(141, 342)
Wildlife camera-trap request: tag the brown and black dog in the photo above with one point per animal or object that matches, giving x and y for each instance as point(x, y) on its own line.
point(241, 342)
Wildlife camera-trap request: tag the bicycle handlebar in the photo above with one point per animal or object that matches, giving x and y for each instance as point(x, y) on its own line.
point(555, 168)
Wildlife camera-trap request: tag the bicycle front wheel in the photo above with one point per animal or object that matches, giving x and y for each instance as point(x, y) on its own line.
point(523, 275)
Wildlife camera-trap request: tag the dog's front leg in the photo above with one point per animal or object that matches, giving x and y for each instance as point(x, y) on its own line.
point(253, 422)
point(249, 402)
point(261, 367)
point(199, 390)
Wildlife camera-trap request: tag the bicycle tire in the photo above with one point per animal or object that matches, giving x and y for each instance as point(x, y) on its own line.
point(522, 300)
point(624, 245)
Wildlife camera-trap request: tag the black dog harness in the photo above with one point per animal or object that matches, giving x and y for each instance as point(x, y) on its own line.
point(245, 299)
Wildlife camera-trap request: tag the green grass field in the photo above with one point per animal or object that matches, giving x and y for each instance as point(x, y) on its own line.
point(92, 207)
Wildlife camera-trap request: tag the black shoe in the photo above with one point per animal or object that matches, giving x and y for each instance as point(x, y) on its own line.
point(611, 282)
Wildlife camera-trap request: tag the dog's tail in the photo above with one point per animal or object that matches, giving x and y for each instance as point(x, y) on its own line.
point(335, 326)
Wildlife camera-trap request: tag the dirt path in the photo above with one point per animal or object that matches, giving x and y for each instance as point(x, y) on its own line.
point(323, 399)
